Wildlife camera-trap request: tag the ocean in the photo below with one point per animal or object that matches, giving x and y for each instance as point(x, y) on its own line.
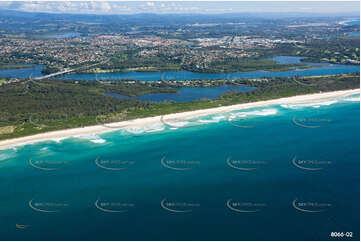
point(279, 172)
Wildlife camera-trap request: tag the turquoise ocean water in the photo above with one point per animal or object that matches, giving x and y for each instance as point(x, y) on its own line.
point(281, 172)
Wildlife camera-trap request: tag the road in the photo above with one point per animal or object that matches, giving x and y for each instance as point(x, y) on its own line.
point(68, 70)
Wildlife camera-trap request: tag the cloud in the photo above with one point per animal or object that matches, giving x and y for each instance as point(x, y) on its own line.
point(131, 7)
point(99, 7)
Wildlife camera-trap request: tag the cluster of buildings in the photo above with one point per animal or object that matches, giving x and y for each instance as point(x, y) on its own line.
point(63, 53)
point(70, 52)
point(243, 42)
point(60, 53)
point(198, 53)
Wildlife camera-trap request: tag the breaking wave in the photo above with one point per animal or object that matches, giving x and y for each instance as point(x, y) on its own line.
point(312, 104)
point(144, 129)
point(352, 99)
point(263, 112)
point(92, 138)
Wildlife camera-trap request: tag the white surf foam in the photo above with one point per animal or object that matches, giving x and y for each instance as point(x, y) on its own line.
point(311, 104)
point(155, 128)
point(263, 112)
point(214, 119)
point(98, 141)
point(207, 121)
point(178, 123)
point(352, 99)
point(145, 129)
point(7, 155)
point(58, 140)
point(92, 138)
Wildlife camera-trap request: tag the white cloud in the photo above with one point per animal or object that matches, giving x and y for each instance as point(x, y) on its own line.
point(129, 7)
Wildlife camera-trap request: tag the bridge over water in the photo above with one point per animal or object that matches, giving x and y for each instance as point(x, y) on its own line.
point(69, 70)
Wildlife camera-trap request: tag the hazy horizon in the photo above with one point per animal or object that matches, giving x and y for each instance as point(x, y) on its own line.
point(174, 7)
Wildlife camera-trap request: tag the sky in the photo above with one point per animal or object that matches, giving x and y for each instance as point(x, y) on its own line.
point(162, 7)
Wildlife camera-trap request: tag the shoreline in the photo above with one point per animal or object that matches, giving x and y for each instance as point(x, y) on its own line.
point(344, 22)
point(101, 128)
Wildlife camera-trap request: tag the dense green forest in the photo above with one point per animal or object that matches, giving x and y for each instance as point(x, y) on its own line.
point(29, 107)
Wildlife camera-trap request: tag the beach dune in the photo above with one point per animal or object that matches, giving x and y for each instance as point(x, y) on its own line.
point(96, 129)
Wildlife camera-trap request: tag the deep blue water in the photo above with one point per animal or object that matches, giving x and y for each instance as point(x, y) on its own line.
point(330, 69)
point(269, 144)
point(186, 94)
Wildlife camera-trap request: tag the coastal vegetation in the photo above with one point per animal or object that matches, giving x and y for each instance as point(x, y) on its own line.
point(30, 107)
point(151, 42)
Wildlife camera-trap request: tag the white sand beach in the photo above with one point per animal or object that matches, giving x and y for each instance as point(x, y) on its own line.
point(96, 129)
